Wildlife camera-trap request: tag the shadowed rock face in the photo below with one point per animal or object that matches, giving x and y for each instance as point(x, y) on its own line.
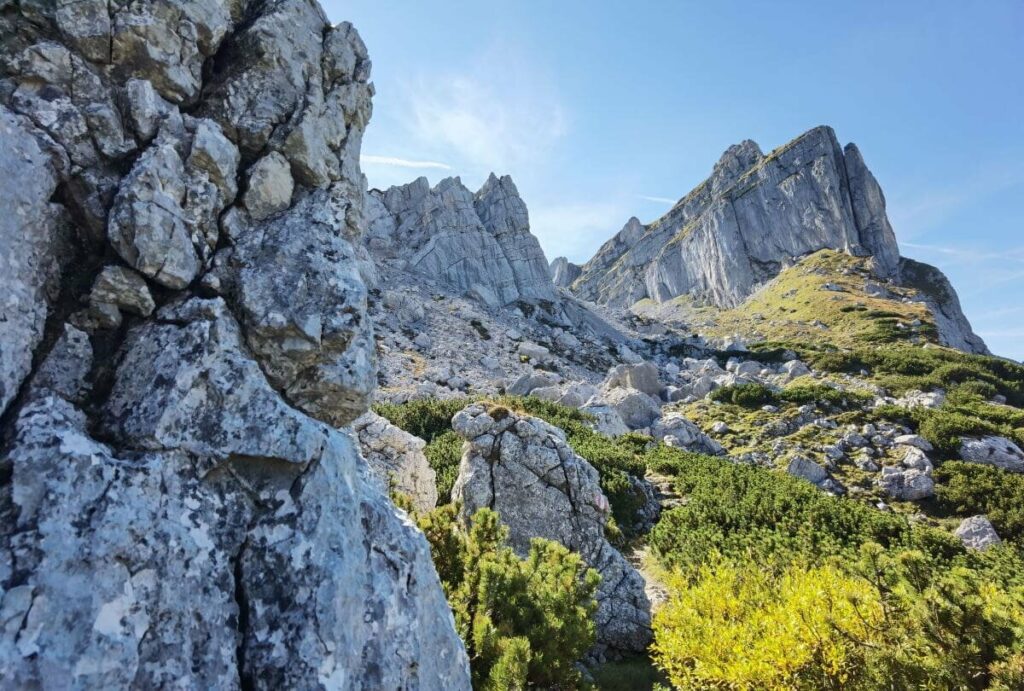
point(564, 272)
point(185, 330)
point(754, 215)
point(477, 244)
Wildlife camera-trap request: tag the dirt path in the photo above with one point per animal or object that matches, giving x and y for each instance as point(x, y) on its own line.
point(640, 555)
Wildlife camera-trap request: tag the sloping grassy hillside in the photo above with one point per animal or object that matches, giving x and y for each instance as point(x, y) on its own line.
point(827, 297)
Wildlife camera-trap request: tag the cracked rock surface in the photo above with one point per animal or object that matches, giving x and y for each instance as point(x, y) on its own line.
point(178, 506)
point(523, 468)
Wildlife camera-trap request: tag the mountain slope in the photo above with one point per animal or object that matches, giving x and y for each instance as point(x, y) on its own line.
point(755, 216)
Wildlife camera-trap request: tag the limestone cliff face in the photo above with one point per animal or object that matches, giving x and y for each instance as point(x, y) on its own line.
point(564, 272)
point(477, 244)
point(753, 216)
point(185, 332)
point(938, 293)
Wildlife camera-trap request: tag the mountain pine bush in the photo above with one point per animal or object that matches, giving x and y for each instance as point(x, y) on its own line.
point(525, 621)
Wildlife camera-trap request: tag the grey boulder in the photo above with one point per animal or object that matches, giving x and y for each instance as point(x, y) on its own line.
point(996, 451)
point(523, 468)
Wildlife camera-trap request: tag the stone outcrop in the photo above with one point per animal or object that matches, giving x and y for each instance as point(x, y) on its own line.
point(476, 244)
point(523, 468)
point(564, 272)
point(977, 533)
point(179, 507)
point(938, 293)
point(396, 460)
point(34, 246)
point(996, 451)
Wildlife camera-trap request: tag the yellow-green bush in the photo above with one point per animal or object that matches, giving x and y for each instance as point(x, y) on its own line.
point(735, 626)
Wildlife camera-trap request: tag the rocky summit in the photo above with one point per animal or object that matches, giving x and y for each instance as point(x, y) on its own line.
point(264, 428)
point(755, 216)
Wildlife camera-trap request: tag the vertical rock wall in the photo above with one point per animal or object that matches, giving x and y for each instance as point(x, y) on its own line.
point(183, 333)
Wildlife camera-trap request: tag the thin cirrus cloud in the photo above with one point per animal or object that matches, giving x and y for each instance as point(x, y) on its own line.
point(504, 115)
point(402, 162)
point(658, 200)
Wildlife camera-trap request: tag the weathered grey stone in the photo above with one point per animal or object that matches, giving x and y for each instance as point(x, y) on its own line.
point(396, 460)
point(155, 213)
point(177, 575)
point(642, 377)
point(914, 440)
point(636, 409)
point(916, 458)
point(295, 283)
point(63, 373)
point(564, 272)
point(534, 352)
point(977, 533)
point(573, 394)
point(166, 42)
point(997, 451)
point(607, 420)
point(85, 24)
point(33, 248)
point(675, 430)
point(216, 537)
point(270, 186)
point(906, 484)
point(943, 302)
point(146, 109)
point(124, 289)
point(277, 93)
point(806, 469)
point(523, 468)
point(478, 244)
point(795, 368)
point(212, 153)
point(868, 204)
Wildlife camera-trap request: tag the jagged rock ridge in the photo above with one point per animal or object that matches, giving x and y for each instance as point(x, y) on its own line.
point(478, 244)
point(754, 214)
point(186, 328)
point(564, 272)
point(757, 214)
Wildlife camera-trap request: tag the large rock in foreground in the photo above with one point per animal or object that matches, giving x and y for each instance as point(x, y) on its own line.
point(181, 510)
point(219, 550)
point(523, 468)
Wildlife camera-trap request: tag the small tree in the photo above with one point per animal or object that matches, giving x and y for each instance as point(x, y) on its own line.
point(524, 621)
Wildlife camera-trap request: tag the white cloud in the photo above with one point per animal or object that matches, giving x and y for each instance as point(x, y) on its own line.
point(367, 159)
point(912, 216)
point(504, 115)
point(658, 200)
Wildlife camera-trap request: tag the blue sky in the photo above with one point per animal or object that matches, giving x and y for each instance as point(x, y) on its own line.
point(603, 110)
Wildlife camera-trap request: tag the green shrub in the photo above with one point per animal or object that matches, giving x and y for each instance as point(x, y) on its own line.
point(426, 419)
point(801, 394)
point(525, 621)
point(444, 453)
point(745, 395)
point(949, 618)
point(741, 511)
point(944, 428)
point(968, 489)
